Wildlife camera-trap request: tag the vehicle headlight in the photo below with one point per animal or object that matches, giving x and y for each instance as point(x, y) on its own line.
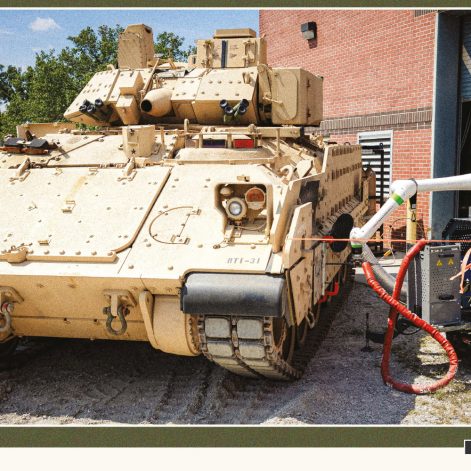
point(236, 208)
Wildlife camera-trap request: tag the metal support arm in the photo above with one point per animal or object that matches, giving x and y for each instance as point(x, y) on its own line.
point(402, 190)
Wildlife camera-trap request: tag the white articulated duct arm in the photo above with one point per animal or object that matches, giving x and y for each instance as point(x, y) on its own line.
point(402, 190)
point(457, 183)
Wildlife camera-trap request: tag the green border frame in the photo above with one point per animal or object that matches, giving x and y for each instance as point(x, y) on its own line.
point(233, 3)
point(252, 437)
point(233, 436)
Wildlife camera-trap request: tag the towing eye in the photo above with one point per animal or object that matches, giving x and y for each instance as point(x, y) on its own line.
point(5, 312)
point(121, 312)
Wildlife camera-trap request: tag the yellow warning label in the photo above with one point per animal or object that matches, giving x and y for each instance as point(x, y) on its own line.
point(439, 263)
point(450, 261)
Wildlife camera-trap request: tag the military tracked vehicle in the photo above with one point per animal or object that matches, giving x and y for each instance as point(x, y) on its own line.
point(181, 205)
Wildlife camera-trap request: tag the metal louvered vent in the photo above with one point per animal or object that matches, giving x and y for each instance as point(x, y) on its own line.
point(466, 60)
point(418, 13)
point(376, 138)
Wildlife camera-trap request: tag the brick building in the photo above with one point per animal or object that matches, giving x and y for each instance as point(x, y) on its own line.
point(393, 76)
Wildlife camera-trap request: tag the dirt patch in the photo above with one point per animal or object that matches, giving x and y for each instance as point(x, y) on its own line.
point(81, 382)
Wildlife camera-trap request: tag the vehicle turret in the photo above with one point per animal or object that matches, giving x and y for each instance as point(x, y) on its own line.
point(227, 80)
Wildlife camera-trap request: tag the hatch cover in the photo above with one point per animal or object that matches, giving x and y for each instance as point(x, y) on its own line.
point(168, 226)
point(75, 213)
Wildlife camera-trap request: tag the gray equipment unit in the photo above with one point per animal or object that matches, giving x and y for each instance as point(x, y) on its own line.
point(431, 293)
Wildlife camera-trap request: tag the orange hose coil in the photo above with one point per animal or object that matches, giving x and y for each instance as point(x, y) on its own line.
point(396, 308)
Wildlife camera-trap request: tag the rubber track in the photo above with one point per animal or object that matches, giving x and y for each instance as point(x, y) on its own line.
point(255, 357)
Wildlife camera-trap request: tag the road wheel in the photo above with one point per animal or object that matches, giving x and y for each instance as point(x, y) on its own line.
point(284, 338)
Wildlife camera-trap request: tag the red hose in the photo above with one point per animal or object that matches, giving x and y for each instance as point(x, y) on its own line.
point(397, 307)
point(329, 294)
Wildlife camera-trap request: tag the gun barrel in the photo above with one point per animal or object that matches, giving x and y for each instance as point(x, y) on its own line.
point(157, 102)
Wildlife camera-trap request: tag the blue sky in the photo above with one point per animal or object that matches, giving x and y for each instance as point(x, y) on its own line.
point(25, 32)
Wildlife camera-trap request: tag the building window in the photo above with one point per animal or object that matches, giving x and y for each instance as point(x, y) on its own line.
point(373, 158)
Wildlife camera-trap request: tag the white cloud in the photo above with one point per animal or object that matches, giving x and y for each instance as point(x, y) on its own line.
point(43, 24)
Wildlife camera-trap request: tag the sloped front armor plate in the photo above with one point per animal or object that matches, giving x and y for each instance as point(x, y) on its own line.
point(86, 150)
point(74, 212)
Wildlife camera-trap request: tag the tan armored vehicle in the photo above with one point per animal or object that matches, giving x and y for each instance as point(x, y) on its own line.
point(185, 220)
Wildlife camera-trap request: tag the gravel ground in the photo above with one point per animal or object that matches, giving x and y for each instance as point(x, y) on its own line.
point(81, 382)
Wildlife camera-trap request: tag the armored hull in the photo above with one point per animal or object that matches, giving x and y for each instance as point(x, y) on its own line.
point(197, 238)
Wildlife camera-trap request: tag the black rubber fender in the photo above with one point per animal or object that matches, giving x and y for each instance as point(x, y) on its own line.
point(235, 294)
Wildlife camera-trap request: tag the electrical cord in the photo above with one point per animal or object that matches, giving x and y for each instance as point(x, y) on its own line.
point(396, 309)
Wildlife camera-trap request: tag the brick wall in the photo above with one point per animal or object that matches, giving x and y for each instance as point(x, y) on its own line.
point(377, 65)
point(371, 61)
point(409, 161)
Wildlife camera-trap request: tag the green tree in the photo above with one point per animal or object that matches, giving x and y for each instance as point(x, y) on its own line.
point(169, 45)
point(12, 82)
point(91, 52)
point(43, 92)
point(14, 90)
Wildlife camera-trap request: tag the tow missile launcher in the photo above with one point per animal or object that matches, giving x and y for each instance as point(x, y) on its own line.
point(189, 217)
